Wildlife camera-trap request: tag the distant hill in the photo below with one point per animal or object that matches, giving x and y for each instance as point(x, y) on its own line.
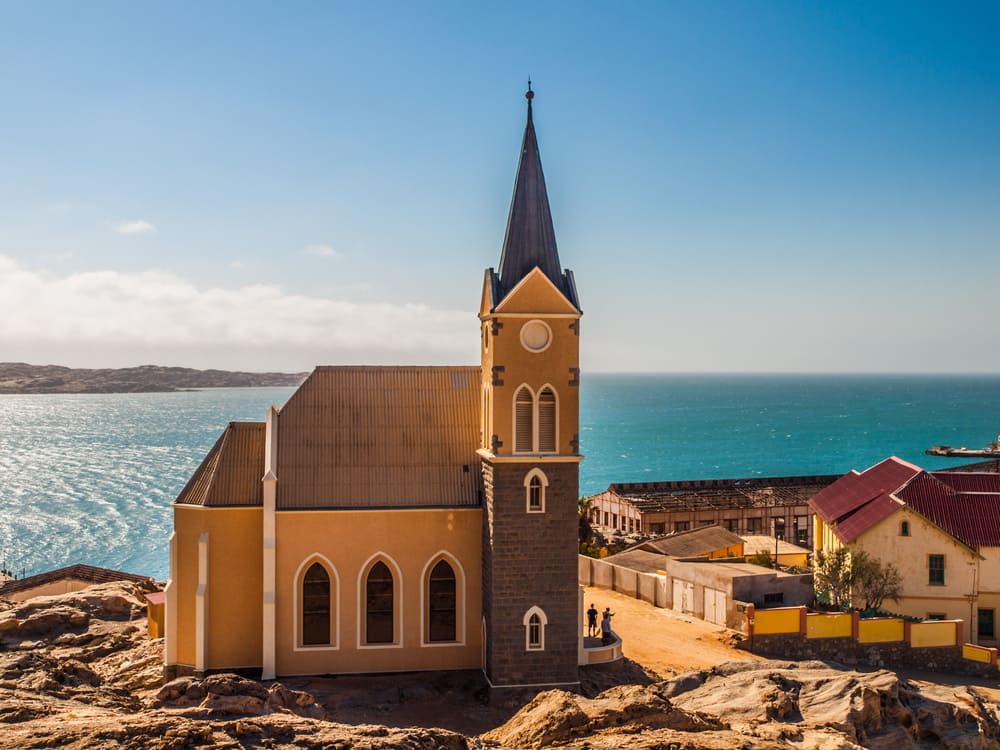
point(18, 377)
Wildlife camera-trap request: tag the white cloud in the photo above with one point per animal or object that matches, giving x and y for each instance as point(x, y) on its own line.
point(110, 318)
point(320, 251)
point(137, 226)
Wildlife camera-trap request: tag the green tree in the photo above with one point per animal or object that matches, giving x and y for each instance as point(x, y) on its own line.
point(832, 576)
point(875, 582)
point(844, 576)
point(762, 558)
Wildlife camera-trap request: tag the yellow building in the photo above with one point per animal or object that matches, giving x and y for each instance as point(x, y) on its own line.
point(403, 518)
point(940, 529)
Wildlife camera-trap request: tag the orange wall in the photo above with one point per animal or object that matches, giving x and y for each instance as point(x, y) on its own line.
point(235, 564)
point(348, 539)
point(536, 369)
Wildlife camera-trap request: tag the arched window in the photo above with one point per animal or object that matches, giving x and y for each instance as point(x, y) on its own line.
point(547, 421)
point(524, 429)
point(904, 528)
point(535, 483)
point(534, 629)
point(316, 606)
point(441, 603)
point(379, 605)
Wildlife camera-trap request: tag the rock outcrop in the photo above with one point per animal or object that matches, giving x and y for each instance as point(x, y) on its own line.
point(79, 671)
point(759, 705)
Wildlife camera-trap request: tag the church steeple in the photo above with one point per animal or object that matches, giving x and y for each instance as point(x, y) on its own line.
point(530, 239)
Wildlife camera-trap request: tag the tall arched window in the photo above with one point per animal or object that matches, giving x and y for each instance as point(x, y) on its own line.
point(316, 606)
point(441, 603)
point(379, 605)
point(547, 421)
point(524, 430)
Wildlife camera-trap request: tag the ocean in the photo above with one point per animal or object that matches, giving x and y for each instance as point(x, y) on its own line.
point(90, 478)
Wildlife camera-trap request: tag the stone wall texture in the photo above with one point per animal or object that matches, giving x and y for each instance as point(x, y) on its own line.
point(530, 559)
point(847, 651)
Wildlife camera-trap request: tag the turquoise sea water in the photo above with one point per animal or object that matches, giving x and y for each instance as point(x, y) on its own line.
point(90, 478)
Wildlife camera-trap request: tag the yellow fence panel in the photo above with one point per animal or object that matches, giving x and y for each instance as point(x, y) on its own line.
point(775, 621)
point(834, 625)
point(881, 630)
point(935, 633)
point(976, 653)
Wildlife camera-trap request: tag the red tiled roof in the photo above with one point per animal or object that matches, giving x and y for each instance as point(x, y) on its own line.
point(867, 516)
point(962, 481)
point(972, 517)
point(852, 491)
point(964, 505)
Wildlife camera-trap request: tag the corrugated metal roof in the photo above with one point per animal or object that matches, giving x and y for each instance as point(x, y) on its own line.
point(231, 472)
point(638, 559)
point(702, 494)
point(701, 541)
point(754, 543)
point(79, 572)
point(971, 517)
point(963, 504)
point(850, 492)
point(866, 516)
point(962, 481)
point(381, 437)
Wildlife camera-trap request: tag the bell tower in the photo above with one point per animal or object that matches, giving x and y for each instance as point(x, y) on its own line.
point(530, 319)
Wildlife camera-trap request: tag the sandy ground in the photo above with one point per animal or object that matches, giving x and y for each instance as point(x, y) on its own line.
point(662, 640)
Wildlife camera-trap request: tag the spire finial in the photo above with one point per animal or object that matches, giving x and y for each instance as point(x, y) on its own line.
point(529, 94)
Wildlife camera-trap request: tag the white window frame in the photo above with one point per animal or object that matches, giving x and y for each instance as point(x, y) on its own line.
point(543, 621)
point(297, 583)
point(544, 480)
point(425, 577)
point(535, 400)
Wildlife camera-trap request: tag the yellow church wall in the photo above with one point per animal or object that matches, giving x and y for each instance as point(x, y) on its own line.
point(408, 540)
point(536, 298)
point(235, 565)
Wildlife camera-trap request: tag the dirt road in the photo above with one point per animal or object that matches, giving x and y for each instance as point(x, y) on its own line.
point(662, 640)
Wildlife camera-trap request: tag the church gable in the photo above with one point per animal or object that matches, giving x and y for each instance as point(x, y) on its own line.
point(380, 437)
point(230, 474)
point(536, 293)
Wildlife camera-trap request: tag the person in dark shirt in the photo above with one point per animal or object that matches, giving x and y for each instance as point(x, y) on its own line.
point(592, 620)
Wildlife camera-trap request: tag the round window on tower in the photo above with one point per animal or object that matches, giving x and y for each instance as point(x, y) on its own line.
point(536, 336)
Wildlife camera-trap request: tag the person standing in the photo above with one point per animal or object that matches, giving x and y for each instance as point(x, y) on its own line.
point(592, 620)
point(606, 636)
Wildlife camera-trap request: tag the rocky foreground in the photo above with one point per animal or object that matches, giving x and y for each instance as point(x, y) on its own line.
point(18, 377)
point(78, 671)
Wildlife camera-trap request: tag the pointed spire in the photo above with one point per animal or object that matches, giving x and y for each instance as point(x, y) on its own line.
point(530, 239)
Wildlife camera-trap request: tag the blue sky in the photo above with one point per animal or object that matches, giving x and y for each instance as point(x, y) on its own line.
point(737, 186)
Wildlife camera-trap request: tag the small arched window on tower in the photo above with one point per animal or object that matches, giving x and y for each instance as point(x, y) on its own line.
point(316, 606)
point(547, 421)
point(534, 629)
point(535, 483)
point(523, 423)
point(904, 528)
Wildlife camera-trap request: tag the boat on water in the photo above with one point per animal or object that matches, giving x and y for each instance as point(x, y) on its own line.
point(991, 451)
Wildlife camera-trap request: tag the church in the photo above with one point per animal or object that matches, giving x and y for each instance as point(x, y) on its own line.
point(403, 518)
